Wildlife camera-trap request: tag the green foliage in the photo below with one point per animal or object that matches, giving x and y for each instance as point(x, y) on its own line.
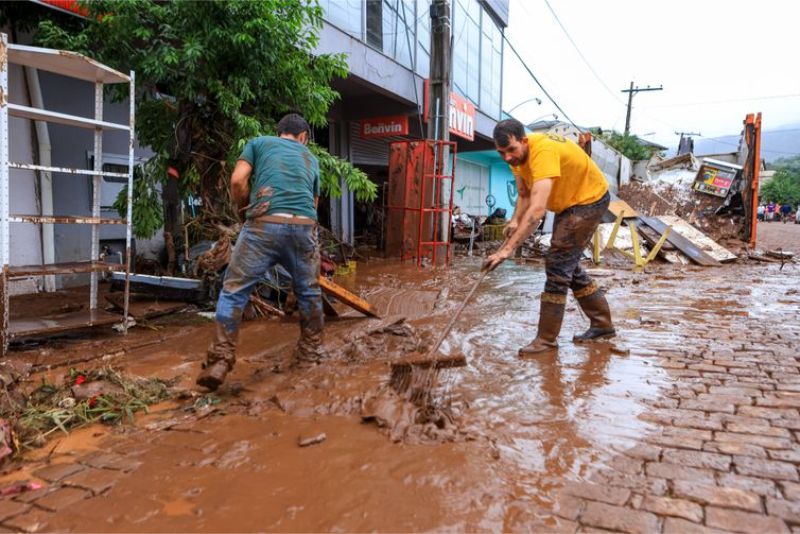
point(333, 168)
point(784, 187)
point(230, 68)
point(148, 214)
point(628, 145)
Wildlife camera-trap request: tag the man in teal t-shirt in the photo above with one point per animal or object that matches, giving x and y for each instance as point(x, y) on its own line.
point(275, 187)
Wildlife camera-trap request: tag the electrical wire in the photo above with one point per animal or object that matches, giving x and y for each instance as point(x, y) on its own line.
point(747, 99)
point(535, 79)
point(578, 50)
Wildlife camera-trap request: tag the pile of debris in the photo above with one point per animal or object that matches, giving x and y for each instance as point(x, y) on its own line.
point(107, 395)
point(704, 193)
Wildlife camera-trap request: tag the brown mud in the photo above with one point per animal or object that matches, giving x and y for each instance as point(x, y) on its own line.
point(492, 452)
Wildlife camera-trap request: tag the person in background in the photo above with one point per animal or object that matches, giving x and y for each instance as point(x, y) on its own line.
point(761, 212)
point(771, 211)
point(786, 211)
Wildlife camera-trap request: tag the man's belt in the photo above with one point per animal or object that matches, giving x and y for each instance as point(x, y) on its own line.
point(274, 219)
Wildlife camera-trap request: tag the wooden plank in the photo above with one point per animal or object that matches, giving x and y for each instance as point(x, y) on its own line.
point(715, 250)
point(618, 206)
point(352, 300)
point(695, 253)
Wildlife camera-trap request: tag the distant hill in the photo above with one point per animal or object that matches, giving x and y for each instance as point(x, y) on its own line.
point(775, 144)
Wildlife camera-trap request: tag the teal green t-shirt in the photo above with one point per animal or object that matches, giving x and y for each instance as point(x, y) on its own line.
point(285, 177)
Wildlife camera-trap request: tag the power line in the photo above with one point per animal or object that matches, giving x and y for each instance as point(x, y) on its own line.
point(535, 79)
point(768, 97)
point(721, 142)
point(578, 50)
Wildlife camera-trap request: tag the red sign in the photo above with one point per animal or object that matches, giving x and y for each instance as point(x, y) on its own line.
point(461, 114)
point(384, 126)
point(69, 6)
point(462, 117)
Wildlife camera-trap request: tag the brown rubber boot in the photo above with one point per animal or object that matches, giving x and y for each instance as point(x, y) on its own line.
point(309, 346)
point(551, 313)
point(219, 360)
point(595, 306)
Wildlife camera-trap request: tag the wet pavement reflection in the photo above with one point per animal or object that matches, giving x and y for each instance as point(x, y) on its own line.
point(523, 427)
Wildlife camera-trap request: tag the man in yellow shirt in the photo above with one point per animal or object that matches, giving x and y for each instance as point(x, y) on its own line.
point(553, 173)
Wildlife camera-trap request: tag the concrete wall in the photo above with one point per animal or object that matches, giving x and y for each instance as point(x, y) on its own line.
point(25, 239)
point(71, 147)
point(384, 74)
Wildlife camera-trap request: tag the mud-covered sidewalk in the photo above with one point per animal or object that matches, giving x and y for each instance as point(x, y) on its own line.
point(687, 421)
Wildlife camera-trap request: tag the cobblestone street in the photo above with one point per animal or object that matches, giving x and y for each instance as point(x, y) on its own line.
point(725, 451)
point(688, 422)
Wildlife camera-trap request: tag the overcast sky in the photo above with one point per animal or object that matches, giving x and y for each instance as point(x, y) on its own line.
point(717, 60)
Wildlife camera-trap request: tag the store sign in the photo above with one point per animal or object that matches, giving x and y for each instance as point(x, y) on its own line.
point(462, 117)
point(461, 114)
point(384, 127)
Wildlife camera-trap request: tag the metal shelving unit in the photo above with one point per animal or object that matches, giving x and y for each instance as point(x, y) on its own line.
point(77, 66)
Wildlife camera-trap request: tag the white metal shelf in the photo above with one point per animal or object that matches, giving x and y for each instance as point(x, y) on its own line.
point(66, 170)
point(71, 267)
point(36, 114)
point(63, 219)
point(74, 66)
point(64, 62)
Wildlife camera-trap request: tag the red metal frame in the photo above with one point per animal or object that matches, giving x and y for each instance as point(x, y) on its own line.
point(422, 197)
point(752, 128)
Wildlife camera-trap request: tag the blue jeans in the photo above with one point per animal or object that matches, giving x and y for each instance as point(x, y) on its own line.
point(259, 247)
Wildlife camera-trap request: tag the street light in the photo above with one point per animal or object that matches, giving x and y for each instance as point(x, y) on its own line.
point(538, 101)
point(555, 117)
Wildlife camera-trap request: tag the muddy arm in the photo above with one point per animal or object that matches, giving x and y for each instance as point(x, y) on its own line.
point(534, 213)
point(240, 187)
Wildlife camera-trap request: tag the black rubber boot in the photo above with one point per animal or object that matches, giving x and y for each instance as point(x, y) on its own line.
point(595, 306)
point(551, 313)
point(219, 360)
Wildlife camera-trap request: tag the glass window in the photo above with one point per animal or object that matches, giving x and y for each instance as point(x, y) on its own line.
point(390, 28)
point(423, 20)
point(466, 49)
point(375, 23)
point(345, 15)
point(491, 66)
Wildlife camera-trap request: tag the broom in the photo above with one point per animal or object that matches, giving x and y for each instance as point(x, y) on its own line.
point(415, 376)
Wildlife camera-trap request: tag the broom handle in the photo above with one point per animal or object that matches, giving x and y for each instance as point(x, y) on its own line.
point(458, 312)
point(460, 309)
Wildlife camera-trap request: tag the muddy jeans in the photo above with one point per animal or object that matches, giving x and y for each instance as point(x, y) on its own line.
point(260, 246)
point(572, 232)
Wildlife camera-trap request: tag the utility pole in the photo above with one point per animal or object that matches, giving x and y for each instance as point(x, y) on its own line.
point(632, 91)
point(439, 103)
point(440, 71)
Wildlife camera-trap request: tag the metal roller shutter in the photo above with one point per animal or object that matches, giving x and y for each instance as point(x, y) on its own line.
point(369, 151)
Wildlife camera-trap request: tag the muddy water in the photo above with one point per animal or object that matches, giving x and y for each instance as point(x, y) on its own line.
point(521, 428)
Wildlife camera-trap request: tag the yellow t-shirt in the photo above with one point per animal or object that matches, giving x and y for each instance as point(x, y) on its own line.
point(577, 180)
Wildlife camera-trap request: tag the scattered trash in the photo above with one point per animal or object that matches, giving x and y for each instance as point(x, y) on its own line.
point(9, 443)
point(121, 326)
point(313, 440)
point(20, 487)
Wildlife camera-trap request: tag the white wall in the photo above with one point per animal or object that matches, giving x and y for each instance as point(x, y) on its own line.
point(25, 239)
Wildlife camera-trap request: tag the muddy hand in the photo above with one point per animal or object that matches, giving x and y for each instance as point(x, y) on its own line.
point(494, 260)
